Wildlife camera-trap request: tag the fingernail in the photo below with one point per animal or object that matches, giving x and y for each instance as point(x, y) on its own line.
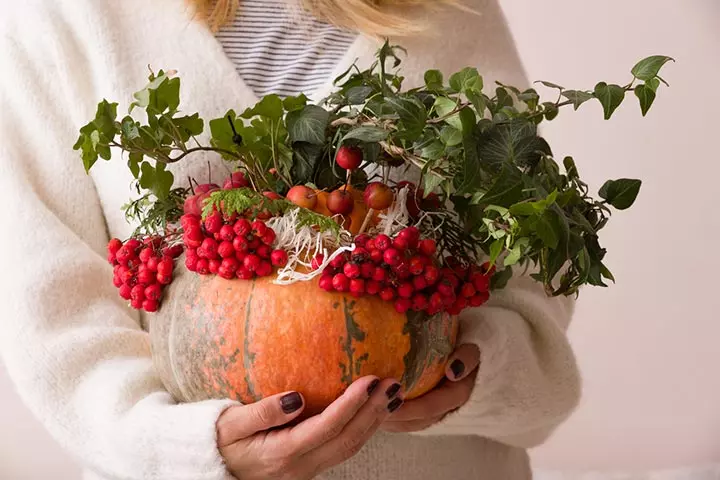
point(457, 368)
point(291, 402)
point(373, 385)
point(395, 404)
point(392, 390)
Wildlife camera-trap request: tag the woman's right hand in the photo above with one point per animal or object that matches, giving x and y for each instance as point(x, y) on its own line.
point(252, 451)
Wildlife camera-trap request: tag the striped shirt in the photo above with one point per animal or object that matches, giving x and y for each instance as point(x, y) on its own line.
point(277, 50)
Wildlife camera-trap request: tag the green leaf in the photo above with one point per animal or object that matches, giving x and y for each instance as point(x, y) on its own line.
point(516, 142)
point(523, 209)
point(513, 256)
point(610, 96)
point(620, 193)
point(653, 84)
point(501, 278)
point(646, 96)
point(156, 179)
point(450, 136)
point(308, 125)
point(134, 160)
point(530, 97)
point(433, 151)
point(431, 182)
point(412, 113)
point(189, 126)
point(550, 84)
point(129, 129)
point(357, 95)
point(294, 103)
point(306, 159)
point(505, 191)
point(444, 106)
point(478, 100)
point(504, 99)
point(269, 106)
point(546, 230)
point(466, 80)
point(551, 110)
point(570, 168)
point(648, 68)
point(578, 97)
point(367, 133)
point(221, 134)
point(469, 176)
point(496, 249)
point(434, 80)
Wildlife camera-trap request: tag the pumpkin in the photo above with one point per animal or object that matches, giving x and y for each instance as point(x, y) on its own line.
point(248, 339)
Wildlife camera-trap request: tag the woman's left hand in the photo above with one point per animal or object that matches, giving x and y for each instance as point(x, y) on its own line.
point(451, 394)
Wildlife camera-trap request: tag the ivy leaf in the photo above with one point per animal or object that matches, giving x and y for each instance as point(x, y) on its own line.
point(530, 97)
point(221, 133)
point(431, 182)
point(294, 103)
point(308, 125)
point(610, 96)
point(550, 84)
point(496, 249)
point(648, 68)
point(358, 95)
point(466, 80)
point(504, 99)
point(433, 151)
point(501, 278)
point(653, 84)
point(478, 100)
point(515, 142)
point(551, 110)
point(189, 126)
point(434, 80)
point(578, 97)
point(412, 113)
point(269, 106)
point(505, 191)
point(134, 160)
point(306, 159)
point(646, 96)
point(129, 128)
point(444, 106)
point(523, 209)
point(570, 168)
point(450, 136)
point(156, 179)
point(546, 231)
point(469, 176)
point(620, 193)
point(367, 133)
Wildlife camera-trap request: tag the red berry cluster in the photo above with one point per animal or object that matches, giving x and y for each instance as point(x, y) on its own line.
point(230, 247)
point(403, 270)
point(141, 269)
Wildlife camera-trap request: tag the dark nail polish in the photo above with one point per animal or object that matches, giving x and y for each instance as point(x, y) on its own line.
point(291, 402)
point(392, 390)
point(395, 404)
point(373, 385)
point(457, 368)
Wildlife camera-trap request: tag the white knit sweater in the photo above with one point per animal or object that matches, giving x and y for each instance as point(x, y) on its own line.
point(77, 353)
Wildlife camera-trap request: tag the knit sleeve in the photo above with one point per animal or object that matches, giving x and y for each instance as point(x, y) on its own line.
point(75, 352)
point(527, 382)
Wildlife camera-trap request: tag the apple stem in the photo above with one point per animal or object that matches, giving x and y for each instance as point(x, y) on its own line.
point(366, 221)
point(191, 186)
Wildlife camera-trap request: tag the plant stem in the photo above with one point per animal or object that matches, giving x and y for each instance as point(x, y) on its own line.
point(449, 114)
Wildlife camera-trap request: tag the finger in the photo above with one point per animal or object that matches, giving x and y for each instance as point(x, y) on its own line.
point(243, 421)
point(462, 362)
point(385, 399)
point(412, 426)
point(437, 402)
point(324, 427)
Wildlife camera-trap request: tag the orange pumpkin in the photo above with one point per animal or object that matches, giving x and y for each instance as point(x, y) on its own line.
point(245, 340)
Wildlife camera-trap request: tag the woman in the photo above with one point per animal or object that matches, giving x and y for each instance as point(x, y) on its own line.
point(81, 359)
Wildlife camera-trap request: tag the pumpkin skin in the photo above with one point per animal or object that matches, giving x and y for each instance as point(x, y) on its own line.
point(248, 339)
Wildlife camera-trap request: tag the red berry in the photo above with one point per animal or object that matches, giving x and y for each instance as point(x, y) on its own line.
point(259, 228)
point(449, 300)
point(145, 254)
point(361, 240)
point(227, 233)
point(165, 267)
point(431, 274)
point(125, 291)
point(451, 279)
point(133, 244)
point(445, 288)
point(138, 291)
point(405, 290)
point(326, 283)
point(164, 279)
point(467, 290)
point(241, 255)
point(317, 261)
point(225, 273)
point(357, 285)
point(128, 278)
point(387, 293)
point(279, 258)
point(191, 263)
point(351, 270)
point(419, 283)
point(193, 237)
point(226, 249)
point(400, 243)
point(367, 270)
point(479, 298)
point(124, 255)
point(382, 242)
point(339, 261)
point(459, 305)
point(410, 234)
point(488, 269)
point(117, 281)
point(153, 292)
point(481, 282)
point(202, 266)
point(214, 222)
point(370, 245)
point(136, 303)
point(427, 247)
point(402, 305)
point(402, 269)
point(264, 269)
point(341, 283)
point(263, 251)
point(380, 275)
point(359, 254)
point(174, 251)
point(376, 255)
point(417, 265)
point(372, 287)
point(252, 262)
point(188, 220)
point(242, 227)
point(436, 301)
point(391, 256)
point(111, 259)
point(114, 245)
point(419, 302)
point(244, 274)
point(240, 244)
point(209, 247)
point(214, 265)
point(145, 277)
point(268, 237)
point(254, 243)
point(150, 305)
point(348, 157)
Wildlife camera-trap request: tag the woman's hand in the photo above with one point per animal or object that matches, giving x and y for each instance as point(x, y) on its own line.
point(303, 451)
point(425, 411)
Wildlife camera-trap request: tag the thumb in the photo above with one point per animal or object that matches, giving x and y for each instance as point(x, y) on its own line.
point(462, 362)
point(242, 421)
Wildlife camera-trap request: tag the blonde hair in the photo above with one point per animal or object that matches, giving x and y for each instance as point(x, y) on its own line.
point(372, 17)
